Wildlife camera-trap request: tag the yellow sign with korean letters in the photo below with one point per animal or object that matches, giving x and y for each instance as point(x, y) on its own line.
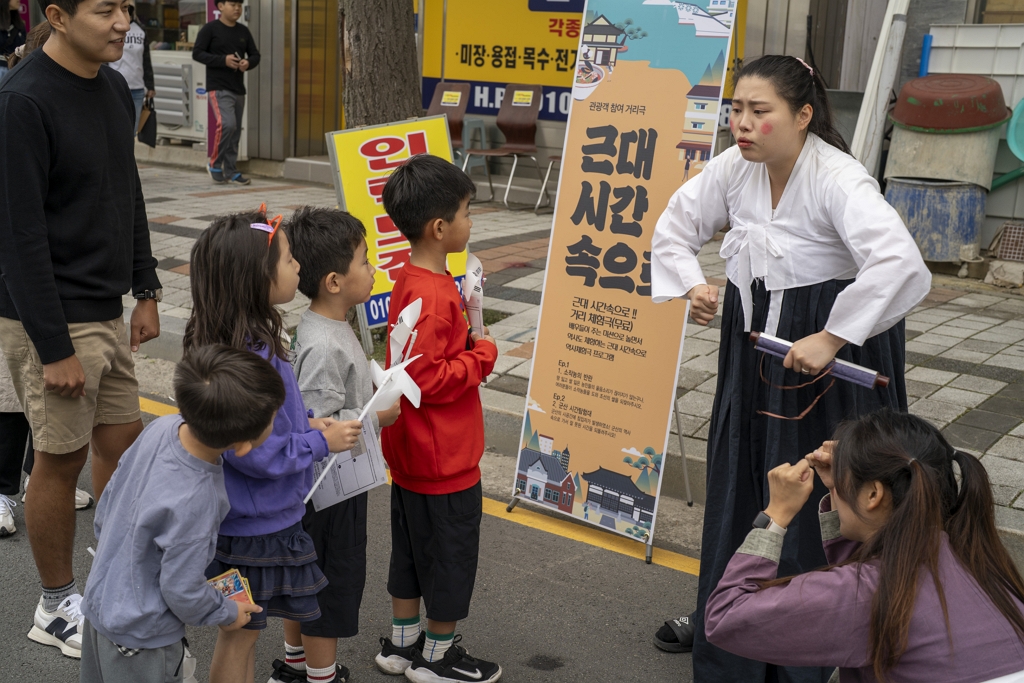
point(451, 98)
point(506, 42)
point(362, 160)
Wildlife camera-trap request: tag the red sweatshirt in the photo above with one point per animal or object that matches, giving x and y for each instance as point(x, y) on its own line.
point(436, 448)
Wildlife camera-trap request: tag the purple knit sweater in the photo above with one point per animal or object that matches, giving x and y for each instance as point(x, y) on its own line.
point(821, 618)
point(266, 486)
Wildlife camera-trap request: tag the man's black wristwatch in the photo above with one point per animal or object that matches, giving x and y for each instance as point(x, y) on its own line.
point(145, 294)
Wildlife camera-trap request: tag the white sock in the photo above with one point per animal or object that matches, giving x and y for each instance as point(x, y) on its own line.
point(405, 632)
point(436, 645)
point(295, 656)
point(322, 675)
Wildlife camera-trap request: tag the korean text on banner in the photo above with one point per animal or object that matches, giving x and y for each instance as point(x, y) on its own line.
point(603, 381)
point(362, 160)
point(492, 44)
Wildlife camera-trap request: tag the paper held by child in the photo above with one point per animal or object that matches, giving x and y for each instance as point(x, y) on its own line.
point(844, 370)
point(473, 293)
point(233, 586)
point(391, 384)
point(353, 472)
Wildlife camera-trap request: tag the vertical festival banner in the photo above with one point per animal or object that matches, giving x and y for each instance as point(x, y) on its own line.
point(646, 95)
point(362, 160)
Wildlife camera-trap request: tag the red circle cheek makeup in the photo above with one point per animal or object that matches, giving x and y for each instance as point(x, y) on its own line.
point(766, 128)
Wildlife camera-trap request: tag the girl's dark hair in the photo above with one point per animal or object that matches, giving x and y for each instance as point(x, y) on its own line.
point(914, 462)
point(231, 273)
point(795, 83)
point(37, 35)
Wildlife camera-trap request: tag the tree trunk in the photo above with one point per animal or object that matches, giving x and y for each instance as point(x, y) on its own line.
point(382, 80)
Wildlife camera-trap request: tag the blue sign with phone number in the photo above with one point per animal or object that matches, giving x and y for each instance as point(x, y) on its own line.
point(485, 98)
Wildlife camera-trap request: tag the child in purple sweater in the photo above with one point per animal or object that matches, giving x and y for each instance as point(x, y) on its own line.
point(919, 586)
point(242, 268)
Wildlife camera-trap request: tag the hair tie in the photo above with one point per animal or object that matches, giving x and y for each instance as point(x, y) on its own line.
point(806, 65)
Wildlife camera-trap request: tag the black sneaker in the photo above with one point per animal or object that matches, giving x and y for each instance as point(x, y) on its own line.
point(216, 174)
point(395, 660)
point(341, 674)
point(286, 674)
point(239, 179)
point(456, 667)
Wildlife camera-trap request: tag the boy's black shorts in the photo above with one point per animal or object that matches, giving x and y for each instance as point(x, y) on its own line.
point(339, 536)
point(435, 544)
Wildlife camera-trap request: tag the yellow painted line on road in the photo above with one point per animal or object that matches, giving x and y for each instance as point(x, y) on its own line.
point(156, 407)
point(591, 536)
point(552, 525)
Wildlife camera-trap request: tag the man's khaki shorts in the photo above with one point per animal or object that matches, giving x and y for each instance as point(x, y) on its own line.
point(62, 425)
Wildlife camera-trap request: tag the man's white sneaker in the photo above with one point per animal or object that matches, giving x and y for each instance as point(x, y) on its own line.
point(60, 628)
point(6, 516)
point(83, 501)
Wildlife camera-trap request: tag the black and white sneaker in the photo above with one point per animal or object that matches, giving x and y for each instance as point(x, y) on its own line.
point(395, 660)
point(286, 674)
point(456, 667)
point(60, 628)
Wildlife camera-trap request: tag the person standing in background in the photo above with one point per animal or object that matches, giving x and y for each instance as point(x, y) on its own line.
point(135, 64)
point(228, 50)
point(12, 32)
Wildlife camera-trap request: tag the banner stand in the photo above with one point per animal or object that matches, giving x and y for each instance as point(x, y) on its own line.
point(367, 338)
point(648, 541)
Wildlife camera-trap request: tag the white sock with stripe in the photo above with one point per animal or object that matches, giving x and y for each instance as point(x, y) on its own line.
point(322, 675)
point(295, 656)
point(405, 632)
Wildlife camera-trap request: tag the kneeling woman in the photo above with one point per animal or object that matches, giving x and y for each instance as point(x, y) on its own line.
point(919, 587)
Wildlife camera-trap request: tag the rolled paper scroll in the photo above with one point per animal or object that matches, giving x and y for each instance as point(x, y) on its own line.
point(842, 369)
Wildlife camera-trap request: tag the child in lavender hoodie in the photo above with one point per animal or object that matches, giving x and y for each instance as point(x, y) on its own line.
point(919, 586)
point(242, 267)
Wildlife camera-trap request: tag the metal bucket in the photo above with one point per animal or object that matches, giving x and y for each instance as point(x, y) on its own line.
point(967, 157)
point(945, 218)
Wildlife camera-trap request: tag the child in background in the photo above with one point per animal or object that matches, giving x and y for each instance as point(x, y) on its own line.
point(157, 521)
point(242, 268)
point(434, 451)
point(334, 377)
point(919, 586)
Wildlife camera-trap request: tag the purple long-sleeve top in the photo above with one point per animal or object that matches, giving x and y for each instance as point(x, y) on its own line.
point(266, 486)
point(822, 618)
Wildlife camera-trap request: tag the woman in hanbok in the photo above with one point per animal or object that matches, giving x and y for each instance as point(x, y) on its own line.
point(814, 255)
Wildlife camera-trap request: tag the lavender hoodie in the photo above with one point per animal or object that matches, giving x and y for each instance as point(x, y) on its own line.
point(821, 618)
point(267, 486)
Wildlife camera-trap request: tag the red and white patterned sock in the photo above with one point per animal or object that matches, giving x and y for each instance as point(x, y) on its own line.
point(325, 675)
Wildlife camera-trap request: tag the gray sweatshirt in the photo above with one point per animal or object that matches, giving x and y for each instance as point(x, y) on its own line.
point(332, 370)
point(157, 523)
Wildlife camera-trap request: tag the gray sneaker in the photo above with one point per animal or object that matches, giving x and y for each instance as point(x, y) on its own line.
point(239, 179)
point(6, 516)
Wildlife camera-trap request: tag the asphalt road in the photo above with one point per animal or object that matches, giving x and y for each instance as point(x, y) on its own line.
point(546, 608)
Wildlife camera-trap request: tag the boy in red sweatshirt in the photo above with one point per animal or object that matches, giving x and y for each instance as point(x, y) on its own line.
point(434, 451)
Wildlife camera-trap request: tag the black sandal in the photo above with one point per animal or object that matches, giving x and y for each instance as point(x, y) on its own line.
point(682, 628)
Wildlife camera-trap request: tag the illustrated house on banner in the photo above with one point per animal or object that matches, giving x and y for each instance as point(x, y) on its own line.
point(702, 103)
point(601, 40)
point(616, 494)
point(543, 478)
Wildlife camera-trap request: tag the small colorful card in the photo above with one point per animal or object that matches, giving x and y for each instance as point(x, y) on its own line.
point(233, 586)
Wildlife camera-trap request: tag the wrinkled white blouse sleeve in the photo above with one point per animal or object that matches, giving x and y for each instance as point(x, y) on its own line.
point(694, 214)
point(892, 277)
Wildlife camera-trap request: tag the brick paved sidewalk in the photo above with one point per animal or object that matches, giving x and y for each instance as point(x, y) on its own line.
point(965, 349)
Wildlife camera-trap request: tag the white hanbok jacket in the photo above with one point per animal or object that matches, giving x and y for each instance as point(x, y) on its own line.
point(831, 223)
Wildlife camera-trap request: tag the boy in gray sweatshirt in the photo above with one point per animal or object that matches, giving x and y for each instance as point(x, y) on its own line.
point(157, 520)
point(334, 377)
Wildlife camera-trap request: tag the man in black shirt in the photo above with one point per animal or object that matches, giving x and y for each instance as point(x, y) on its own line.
point(228, 51)
point(73, 239)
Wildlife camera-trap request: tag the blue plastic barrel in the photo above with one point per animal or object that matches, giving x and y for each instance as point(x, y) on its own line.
point(945, 218)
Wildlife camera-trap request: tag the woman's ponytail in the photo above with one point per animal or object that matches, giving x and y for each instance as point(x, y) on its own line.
point(971, 527)
point(823, 120)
